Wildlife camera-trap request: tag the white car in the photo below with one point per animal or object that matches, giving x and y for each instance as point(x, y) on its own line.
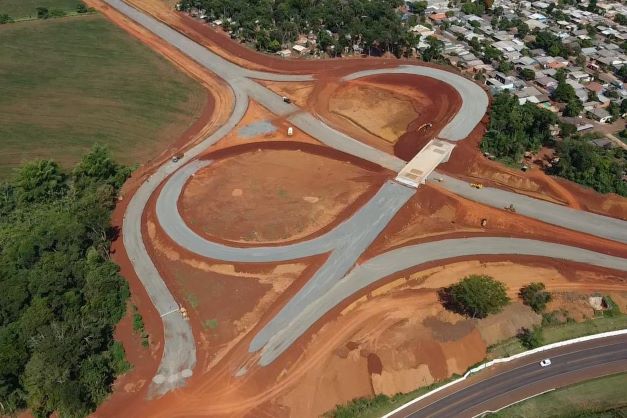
point(546, 362)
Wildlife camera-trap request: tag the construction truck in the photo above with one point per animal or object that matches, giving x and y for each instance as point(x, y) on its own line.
point(476, 185)
point(510, 208)
point(286, 99)
point(183, 312)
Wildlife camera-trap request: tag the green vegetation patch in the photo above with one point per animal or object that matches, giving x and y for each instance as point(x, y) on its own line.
point(476, 296)
point(268, 25)
point(68, 83)
point(515, 129)
point(61, 295)
point(211, 324)
point(139, 328)
point(599, 398)
point(19, 9)
point(561, 332)
point(379, 405)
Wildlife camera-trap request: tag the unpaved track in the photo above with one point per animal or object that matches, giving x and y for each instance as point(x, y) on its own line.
point(179, 353)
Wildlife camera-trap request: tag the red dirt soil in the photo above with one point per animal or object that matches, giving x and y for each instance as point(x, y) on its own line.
point(434, 101)
point(229, 201)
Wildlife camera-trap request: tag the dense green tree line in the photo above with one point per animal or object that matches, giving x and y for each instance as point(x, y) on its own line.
point(592, 166)
point(516, 128)
point(269, 24)
point(60, 294)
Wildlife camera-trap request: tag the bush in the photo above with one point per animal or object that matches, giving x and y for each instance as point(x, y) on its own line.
point(476, 296)
point(357, 406)
point(612, 307)
point(534, 296)
point(56, 13)
point(42, 13)
point(531, 338)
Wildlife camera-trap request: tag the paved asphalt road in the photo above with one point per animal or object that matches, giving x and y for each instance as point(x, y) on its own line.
point(513, 381)
point(179, 354)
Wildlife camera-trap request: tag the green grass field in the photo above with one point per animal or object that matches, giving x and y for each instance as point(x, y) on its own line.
point(562, 332)
point(68, 83)
point(574, 401)
point(18, 9)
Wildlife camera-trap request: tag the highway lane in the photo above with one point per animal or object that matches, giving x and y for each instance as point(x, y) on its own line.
point(513, 381)
point(407, 257)
point(179, 352)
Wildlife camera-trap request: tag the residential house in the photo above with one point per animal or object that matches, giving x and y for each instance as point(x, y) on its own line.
point(600, 115)
point(546, 82)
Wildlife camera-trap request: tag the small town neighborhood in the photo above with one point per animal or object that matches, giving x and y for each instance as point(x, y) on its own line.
point(528, 48)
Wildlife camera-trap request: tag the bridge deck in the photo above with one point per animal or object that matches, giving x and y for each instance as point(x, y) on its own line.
point(418, 169)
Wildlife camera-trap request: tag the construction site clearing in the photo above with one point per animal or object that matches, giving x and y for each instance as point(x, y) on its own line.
point(393, 335)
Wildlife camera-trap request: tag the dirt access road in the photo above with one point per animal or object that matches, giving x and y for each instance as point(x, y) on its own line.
point(179, 352)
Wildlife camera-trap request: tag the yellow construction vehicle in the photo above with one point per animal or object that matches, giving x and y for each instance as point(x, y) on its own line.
point(476, 185)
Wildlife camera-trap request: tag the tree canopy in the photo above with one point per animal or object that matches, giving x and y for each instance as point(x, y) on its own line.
point(516, 128)
point(534, 296)
point(61, 295)
point(370, 24)
point(551, 43)
point(476, 296)
point(586, 164)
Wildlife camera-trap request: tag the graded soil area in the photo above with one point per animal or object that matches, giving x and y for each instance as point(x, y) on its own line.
point(398, 337)
point(397, 113)
point(298, 92)
point(366, 105)
point(275, 195)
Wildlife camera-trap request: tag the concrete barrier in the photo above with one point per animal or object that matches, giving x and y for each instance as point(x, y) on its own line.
point(505, 360)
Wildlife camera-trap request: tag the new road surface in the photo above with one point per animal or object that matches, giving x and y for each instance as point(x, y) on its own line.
point(509, 383)
point(337, 279)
